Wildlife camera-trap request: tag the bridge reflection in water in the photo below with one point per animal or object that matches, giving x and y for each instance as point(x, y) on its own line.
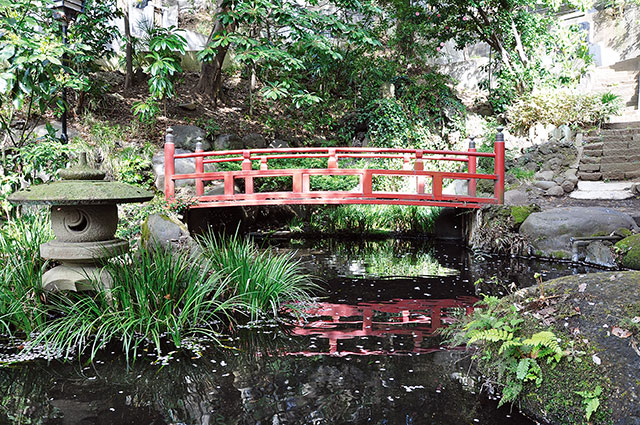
point(412, 319)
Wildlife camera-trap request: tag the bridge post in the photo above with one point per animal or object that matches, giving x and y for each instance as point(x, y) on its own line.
point(332, 162)
point(169, 165)
point(472, 167)
point(499, 166)
point(199, 167)
point(246, 166)
point(419, 166)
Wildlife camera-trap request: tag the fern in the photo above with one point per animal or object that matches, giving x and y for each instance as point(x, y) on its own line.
point(545, 339)
point(490, 335)
point(514, 343)
point(511, 390)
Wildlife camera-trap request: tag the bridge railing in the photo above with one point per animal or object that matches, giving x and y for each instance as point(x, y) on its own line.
point(255, 163)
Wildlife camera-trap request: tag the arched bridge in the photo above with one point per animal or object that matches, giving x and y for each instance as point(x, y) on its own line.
point(426, 183)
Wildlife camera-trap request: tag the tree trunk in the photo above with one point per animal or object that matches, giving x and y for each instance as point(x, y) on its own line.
point(128, 80)
point(519, 47)
point(210, 81)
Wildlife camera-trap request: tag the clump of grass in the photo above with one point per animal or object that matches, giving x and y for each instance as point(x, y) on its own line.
point(156, 296)
point(21, 274)
point(159, 298)
point(261, 280)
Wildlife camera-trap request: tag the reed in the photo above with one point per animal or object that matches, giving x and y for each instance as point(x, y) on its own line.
point(261, 280)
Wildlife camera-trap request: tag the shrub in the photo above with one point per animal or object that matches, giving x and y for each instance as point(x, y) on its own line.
point(562, 106)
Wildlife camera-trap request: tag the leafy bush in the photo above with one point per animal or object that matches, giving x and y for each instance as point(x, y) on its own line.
point(563, 106)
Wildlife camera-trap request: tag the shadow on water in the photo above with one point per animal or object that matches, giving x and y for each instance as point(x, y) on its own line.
point(366, 353)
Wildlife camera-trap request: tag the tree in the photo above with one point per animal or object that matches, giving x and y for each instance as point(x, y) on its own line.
point(271, 38)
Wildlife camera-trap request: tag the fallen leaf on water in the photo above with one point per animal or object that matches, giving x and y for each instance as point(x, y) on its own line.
point(620, 333)
point(582, 287)
point(596, 359)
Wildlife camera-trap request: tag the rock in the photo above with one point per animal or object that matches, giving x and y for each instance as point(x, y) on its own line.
point(191, 106)
point(516, 197)
point(550, 231)
point(41, 131)
point(165, 231)
point(254, 141)
point(544, 175)
point(571, 173)
point(635, 189)
point(182, 166)
point(227, 142)
point(603, 300)
point(555, 191)
point(568, 186)
point(563, 132)
point(544, 185)
point(558, 180)
point(278, 144)
point(555, 163)
point(600, 254)
point(629, 247)
point(185, 136)
point(531, 166)
point(520, 213)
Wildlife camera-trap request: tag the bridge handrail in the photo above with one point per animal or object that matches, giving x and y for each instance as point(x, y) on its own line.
point(413, 165)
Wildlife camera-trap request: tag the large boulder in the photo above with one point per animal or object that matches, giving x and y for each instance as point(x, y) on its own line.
point(550, 231)
point(186, 136)
point(165, 231)
point(254, 141)
point(182, 166)
point(227, 142)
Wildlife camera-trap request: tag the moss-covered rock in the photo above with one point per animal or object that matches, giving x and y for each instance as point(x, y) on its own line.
point(520, 213)
point(629, 247)
point(582, 311)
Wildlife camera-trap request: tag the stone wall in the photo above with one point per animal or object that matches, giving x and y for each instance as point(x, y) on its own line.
point(611, 154)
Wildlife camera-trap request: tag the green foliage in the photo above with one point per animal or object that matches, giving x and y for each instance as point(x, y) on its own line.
point(159, 298)
point(373, 218)
point(591, 400)
point(260, 280)
point(563, 106)
point(517, 358)
point(163, 64)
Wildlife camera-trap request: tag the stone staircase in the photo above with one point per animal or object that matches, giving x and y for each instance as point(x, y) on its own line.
point(623, 79)
point(612, 153)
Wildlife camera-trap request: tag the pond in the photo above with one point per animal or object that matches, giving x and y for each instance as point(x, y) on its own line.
point(366, 353)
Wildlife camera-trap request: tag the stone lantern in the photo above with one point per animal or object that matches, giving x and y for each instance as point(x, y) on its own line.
point(84, 218)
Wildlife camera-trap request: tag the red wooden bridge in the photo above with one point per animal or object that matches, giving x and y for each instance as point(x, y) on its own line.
point(427, 189)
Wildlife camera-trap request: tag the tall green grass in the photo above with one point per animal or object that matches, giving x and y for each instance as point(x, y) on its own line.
point(159, 298)
point(374, 218)
point(20, 276)
point(261, 280)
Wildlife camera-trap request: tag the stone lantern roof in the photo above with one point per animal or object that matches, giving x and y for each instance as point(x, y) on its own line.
point(81, 185)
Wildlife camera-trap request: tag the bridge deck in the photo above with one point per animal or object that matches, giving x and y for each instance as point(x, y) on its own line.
point(425, 186)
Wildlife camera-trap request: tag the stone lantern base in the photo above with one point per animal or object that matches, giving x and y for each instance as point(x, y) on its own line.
point(81, 265)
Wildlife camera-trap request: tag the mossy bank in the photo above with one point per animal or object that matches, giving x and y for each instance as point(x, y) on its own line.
point(594, 318)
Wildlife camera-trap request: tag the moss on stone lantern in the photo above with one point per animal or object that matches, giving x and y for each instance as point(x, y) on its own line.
point(84, 218)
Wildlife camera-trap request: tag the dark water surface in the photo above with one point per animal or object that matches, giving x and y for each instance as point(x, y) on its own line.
point(366, 353)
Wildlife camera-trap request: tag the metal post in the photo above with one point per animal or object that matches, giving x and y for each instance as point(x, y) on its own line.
point(199, 167)
point(64, 138)
point(169, 165)
point(472, 167)
point(499, 166)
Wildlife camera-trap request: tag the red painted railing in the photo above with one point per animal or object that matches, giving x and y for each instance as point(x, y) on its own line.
point(255, 164)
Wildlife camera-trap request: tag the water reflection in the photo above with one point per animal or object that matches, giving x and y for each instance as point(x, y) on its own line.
point(404, 323)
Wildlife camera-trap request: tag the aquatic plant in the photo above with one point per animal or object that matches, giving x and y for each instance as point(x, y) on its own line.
point(157, 295)
point(261, 280)
point(20, 276)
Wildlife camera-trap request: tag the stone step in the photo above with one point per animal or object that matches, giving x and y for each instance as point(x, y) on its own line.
point(603, 190)
point(623, 125)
